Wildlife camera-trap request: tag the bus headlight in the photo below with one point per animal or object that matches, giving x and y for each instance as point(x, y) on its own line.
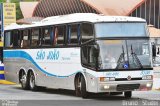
point(104, 79)
point(148, 85)
point(147, 77)
point(106, 86)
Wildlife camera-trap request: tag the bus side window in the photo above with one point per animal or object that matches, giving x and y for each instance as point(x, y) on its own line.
point(16, 38)
point(84, 55)
point(55, 35)
point(35, 37)
point(87, 32)
point(46, 37)
point(73, 35)
point(25, 39)
point(12, 39)
point(88, 57)
point(59, 36)
point(8, 39)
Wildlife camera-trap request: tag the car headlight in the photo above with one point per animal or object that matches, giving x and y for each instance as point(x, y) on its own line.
point(147, 77)
point(104, 79)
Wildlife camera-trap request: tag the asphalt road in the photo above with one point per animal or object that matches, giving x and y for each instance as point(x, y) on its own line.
point(13, 95)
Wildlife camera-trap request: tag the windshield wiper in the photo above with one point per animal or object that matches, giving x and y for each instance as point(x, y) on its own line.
point(121, 58)
point(134, 55)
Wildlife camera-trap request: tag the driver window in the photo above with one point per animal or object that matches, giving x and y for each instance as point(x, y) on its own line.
point(88, 57)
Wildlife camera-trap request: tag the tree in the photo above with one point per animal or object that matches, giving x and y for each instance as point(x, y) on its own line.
point(2, 1)
point(18, 10)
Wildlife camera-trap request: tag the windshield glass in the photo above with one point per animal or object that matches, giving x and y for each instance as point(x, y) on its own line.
point(120, 29)
point(124, 54)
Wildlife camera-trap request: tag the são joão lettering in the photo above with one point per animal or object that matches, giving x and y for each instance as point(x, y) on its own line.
point(49, 55)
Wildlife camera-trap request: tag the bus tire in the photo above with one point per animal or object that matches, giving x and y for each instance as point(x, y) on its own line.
point(78, 85)
point(32, 84)
point(24, 81)
point(84, 92)
point(128, 94)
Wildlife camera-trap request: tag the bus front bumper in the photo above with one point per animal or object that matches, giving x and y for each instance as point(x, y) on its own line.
point(120, 86)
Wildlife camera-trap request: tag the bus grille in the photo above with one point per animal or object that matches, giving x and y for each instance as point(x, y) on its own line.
point(125, 87)
point(125, 79)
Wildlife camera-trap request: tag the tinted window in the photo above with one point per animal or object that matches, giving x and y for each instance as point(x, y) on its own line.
point(8, 39)
point(25, 39)
point(59, 35)
point(35, 37)
point(16, 38)
point(12, 38)
point(73, 34)
point(86, 32)
point(47, 36)
point(88, 57)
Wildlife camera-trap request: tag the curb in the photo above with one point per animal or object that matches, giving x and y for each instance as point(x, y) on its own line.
point(6, 82)
point(2, 77)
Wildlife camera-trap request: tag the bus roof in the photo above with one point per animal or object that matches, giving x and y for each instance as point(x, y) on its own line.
point(76, 17)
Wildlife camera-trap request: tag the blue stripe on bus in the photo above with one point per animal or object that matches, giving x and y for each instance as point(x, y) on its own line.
point(24, 55)
point(2, 77)
point(1, 68)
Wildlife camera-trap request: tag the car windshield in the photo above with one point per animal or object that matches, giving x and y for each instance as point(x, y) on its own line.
point(120, 30)
point(124, 54)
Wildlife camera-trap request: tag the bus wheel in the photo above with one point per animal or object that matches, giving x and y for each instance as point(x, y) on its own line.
point(128, 94)
point(32, 84)
point(78, 86)
point(84, 92)
point(24, 81)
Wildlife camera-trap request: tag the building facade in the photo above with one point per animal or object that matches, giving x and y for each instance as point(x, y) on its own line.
point(149, 10)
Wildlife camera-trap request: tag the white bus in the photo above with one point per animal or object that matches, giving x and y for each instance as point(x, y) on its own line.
point(85, 52)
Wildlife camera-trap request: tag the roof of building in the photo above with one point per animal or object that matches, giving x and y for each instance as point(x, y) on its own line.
point(46, 8)
point(154, 32)
point(114, 7)
point(27, 8)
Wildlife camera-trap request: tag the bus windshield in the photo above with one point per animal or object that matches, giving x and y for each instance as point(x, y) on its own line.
point(120, 30)
point(124, 54)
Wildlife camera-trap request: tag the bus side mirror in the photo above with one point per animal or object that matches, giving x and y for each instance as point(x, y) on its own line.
point(154, 50)
point(96, 54)
point(158, 52)
point(96, 51)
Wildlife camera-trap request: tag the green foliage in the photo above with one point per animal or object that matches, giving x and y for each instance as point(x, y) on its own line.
point(18, 10)
point(3, 1)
